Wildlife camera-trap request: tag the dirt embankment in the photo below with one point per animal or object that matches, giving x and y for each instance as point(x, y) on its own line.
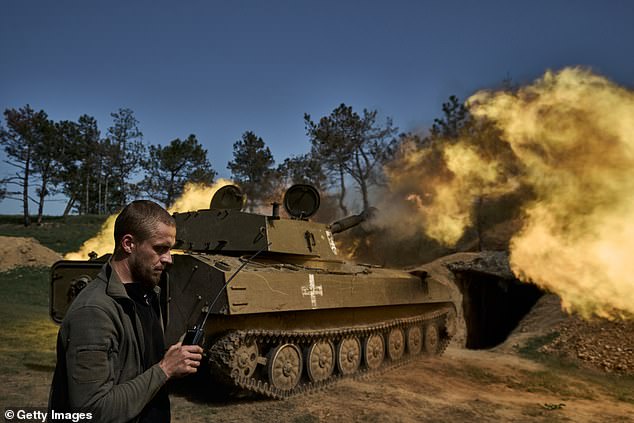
point(17, 252)
point(606, 345)
point(599, 343)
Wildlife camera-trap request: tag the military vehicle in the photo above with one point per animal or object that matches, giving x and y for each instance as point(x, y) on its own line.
point(296, 316)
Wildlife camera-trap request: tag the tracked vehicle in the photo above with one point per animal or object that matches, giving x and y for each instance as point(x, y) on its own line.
point(296, 316)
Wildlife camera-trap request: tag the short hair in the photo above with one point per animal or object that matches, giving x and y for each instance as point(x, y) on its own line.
point(140, 219)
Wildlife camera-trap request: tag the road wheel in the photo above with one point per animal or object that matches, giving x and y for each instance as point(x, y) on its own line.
point(348, 355)
point(414, 340)
point(431, 343)
point(320, 360)
point(374, 351)
point(395, 344)
point(284, 366)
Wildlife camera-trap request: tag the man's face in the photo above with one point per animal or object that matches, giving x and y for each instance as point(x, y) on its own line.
point(149, 258)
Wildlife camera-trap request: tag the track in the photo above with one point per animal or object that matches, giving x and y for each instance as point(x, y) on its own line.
point(278, 364)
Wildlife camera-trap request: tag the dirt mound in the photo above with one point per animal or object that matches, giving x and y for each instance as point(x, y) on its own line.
point(16, 252)
point(602, 344)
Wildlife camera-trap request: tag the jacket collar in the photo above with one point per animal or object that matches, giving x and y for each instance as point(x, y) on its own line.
point(114, 286)
point(116, 290)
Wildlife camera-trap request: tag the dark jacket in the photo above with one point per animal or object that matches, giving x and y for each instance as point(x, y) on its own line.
point(99, 355)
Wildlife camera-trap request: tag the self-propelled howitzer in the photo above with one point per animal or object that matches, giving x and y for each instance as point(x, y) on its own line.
point(295, 317)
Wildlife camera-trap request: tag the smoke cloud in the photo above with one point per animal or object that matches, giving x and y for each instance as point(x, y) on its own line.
point(569, 138)
point(574, 131)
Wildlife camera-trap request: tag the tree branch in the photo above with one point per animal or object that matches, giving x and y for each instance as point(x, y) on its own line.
point(15, 164)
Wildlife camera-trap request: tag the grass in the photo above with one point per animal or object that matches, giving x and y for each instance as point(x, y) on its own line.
point(308, 418)
point(27, 335)
point(56, 232)
point(550, 382)
point(546, 381)
point(544, 414)
point(480, 375)
point(531, 348)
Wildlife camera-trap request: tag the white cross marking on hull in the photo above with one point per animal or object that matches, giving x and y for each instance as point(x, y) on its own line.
point(312, 291)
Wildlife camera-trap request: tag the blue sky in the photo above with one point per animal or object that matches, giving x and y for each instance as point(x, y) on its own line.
point(220, 68)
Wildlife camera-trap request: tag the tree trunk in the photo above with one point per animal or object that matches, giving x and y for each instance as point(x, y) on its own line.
point(342, 193)
point(87, 207)
point(170, 191)
point(123, 192)
point(40, 209)
point(69, 205)
point(122, 175)
point(364, 193)
point(105, 198)
point(363, 185)
point(25, 192)
point(99, 181)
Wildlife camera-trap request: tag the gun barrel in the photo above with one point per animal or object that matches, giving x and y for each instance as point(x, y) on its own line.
point(351, 221)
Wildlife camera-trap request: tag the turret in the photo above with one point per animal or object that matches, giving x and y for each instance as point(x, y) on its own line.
point(225, 228)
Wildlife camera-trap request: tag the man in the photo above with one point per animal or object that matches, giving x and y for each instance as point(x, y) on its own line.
point(110, 346)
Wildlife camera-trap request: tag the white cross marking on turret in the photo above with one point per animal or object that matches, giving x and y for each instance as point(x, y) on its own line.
point(312, 291)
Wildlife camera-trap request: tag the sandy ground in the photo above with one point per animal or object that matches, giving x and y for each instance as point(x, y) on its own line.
point(463, 385)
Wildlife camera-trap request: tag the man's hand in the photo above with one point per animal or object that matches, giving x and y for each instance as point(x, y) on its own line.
point(181, 360)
